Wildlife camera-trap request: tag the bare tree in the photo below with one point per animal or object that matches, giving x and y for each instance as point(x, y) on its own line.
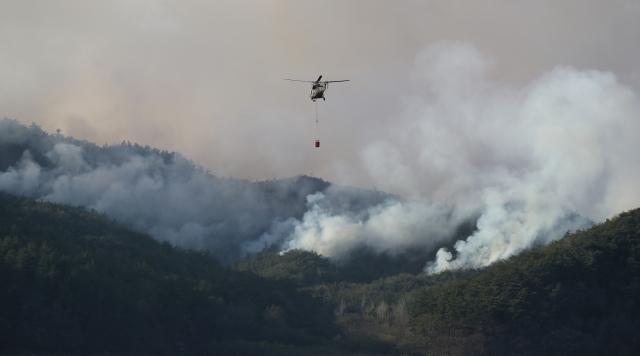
point(340, 308)
point(382, 311)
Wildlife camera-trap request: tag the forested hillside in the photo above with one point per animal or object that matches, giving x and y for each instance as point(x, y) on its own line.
point(71, 280)
point(74, 281)
point(579, 295)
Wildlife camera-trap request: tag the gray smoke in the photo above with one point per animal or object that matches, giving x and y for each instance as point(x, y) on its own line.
point(163, 193)
point(527, 160)
point(533, 162)
point(391, 227)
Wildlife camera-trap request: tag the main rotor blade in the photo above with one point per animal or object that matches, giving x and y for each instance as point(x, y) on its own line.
point(296, 80)
point(320, 77)
point(336, 81)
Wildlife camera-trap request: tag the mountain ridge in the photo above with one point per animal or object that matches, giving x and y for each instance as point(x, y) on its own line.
point(163, 193)
point(72, 278)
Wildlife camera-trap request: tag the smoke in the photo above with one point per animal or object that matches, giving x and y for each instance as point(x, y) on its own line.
point(205, 78)
point(531, 161)
point(174, 200)
point(528, 158)
point(162, 193)
point(391, 227)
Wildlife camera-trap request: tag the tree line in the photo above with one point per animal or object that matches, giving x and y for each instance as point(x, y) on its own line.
point(73, 281)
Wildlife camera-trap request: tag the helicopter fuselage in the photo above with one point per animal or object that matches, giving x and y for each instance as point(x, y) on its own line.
point(317, 91)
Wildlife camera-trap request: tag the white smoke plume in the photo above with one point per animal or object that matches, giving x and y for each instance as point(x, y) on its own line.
point(524, 159)
point(533, 162)
point(161, 193)
point(391, 227)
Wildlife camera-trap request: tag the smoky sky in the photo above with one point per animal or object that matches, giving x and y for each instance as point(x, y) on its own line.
point(520, 112)
point(205, 78)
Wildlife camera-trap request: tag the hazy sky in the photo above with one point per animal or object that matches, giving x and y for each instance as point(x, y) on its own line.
point(521, 112)
point(205, 78)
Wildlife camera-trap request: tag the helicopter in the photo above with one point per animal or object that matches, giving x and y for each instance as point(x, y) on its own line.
point(318, 87)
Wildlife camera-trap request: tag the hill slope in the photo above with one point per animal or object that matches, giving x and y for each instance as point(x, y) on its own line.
point(72, 280)
point(578, 295)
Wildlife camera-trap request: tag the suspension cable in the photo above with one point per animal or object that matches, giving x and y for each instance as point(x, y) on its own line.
point(317, 131)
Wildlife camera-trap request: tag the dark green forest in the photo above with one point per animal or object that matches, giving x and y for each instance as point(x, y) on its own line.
point(72, 281)
point(579, 295)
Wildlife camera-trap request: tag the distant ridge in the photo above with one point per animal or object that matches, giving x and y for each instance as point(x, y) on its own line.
point(161, 193)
